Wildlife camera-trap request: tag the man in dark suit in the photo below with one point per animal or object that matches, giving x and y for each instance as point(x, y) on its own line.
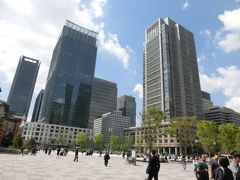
point(153, 166)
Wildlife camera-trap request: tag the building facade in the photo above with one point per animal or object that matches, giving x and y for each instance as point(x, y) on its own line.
point(37, 106)
point(103, 99)
point(43, 133)
point(171, 80)
point(222, 115)
point(164, 143)
point(22, 88)
point(127, 105)
point(206, 101)
point(112, 123)
point(67, 96)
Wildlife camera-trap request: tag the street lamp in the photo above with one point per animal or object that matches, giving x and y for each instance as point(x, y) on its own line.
point(196, 141)
point(109, 134)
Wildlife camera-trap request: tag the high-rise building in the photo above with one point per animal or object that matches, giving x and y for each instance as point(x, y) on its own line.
point(206, 101)
point(171, 80)
point(21, 92)
point(103, 99)
point(127, 105)
point(37, 106)
point(67, 96)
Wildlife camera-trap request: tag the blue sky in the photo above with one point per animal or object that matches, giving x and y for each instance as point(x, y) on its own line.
point(32, 28)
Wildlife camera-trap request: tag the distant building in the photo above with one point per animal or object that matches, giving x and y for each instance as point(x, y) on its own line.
point(222, 115)
point(22, 88)
point(44, 133)
point(103, 99)
point(206, 101)
point(67, 96)
point(170, 75)
point(37, 106)
point(127, 105)
point(112, 123)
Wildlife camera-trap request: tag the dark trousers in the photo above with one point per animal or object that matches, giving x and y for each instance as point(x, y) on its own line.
point(155, 176)
point(106, 162)
point(76, 158)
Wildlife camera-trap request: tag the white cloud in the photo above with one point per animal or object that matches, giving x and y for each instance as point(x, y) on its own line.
point(139, 90)
point(185, 5)
point(206, 32)
point(228, 37)
point(227, 81)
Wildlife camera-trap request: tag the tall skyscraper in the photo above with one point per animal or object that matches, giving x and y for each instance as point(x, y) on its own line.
point(21, 92)
point(68, 90)
point(37, 106)
point(127, 105)
point(103, 100)
point(171, 80)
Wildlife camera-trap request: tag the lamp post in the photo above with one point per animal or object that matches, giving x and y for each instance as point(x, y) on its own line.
point(109, 134)
point(196, 141)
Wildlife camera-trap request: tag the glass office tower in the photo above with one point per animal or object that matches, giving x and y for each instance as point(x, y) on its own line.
point(68, 90)
point(21, 92)
point(171, 80)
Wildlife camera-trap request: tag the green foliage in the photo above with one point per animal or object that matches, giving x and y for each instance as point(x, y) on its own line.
point(53, 141)
point(114, 142)
point(61, 140)
point(151, 126)
point(127, 143)
point(98, 141)
point(17, 141)
point(30, 144)
point(207, 132)
point(81, 140)
point(227, 135)
point(183, 128)
point(8, 139)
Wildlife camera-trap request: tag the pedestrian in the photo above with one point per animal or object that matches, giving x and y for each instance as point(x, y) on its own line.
point(153, 166)
point(223, 172)
point(22, 150)
point(46, 150)
point(106, 158)
point(213, 165)
point(49, 151)
point(235, 167)
point(201, 169)
point(76, 155)
point(58, 152)
point(123, 154)
point(100, 153)
point(184, 162)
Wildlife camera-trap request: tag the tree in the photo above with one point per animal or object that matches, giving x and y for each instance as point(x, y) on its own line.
point(54, 141)
point(207, 135)
point(152, 126)
point(227, 136)
point(114, 142)
point(8, 139)
point(61, 140)
point(183, 128)
point(98, 141)
point(30, 143)
point(127, 143)
point(81, 140)
point(17, 141)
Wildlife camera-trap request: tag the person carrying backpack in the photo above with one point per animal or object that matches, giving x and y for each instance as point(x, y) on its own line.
point(201, 169)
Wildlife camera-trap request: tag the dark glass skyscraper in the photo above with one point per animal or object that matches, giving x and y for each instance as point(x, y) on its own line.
point(68, 90)
point(21, 92)
point(37, 106)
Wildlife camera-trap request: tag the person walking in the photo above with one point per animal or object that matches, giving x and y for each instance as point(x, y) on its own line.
point(184, 162)
point(213, 165)
point(202, 169)
point(46, 150)
point(223, 172)
point(106, 158)
point(235, 167)
point(153, 166)
point(76, 155)
point(49, 151)
point(100, 153)
point(123, 155)
point(22, 150)
point(58, 152)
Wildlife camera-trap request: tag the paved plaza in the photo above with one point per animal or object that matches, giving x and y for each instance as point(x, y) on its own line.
point(44, 167)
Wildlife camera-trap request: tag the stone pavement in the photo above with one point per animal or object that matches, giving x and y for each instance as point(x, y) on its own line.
point(44, 167)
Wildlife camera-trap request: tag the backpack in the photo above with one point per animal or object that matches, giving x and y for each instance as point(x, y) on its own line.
point(195, 170)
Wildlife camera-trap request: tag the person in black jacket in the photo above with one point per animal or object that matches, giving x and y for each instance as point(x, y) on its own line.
point(222, 172)
point(106, 158)
point(76, 155)
point(153, 166)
